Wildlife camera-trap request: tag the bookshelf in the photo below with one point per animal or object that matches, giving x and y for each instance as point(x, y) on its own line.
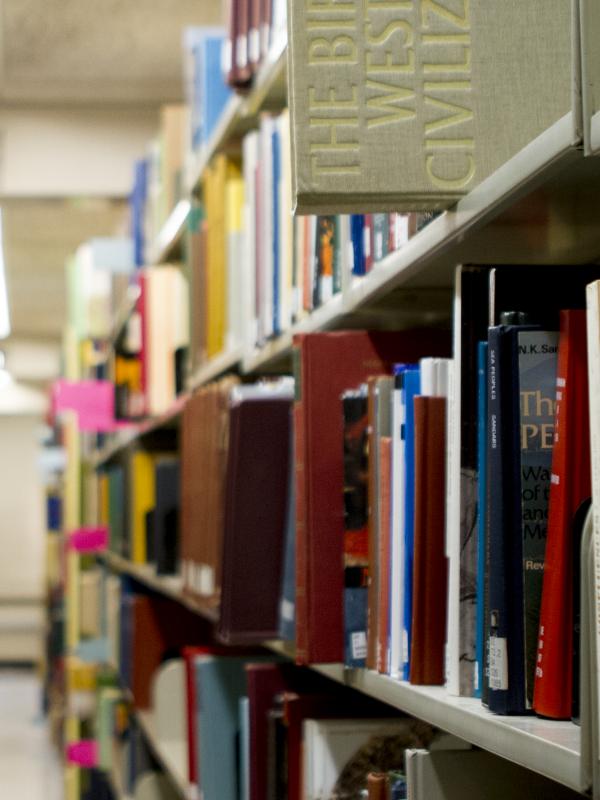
point(538, 208)
point(170, 755)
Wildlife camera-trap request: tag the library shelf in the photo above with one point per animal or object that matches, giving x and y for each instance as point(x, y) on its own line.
point(171, 755)
point(242, 111)
point(115, 785)
point(128, 435)
point(170, 586)
point(215, 367)
point(124, 311)
point(167, 245)
point(548, 747)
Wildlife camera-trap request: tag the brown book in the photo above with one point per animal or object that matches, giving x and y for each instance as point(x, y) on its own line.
point(255, 516)
point(385, 543)
point(204, 454)
point(377, 786)
point(429, 566)
point(326, 365)
point(379, 408)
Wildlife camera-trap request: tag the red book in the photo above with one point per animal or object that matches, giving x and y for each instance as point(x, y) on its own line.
point(570, 486)
point(327, 364)
point(429, 565)
point(385, 543)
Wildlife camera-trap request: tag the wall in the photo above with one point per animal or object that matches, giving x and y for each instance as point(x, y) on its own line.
point(22, 538)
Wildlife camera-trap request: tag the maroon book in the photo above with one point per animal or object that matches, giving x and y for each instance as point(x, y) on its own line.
point(327, 364)
point(429, 565)
point(255, 518)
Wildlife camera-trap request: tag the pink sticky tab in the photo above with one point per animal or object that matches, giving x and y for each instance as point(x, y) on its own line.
point(83, 753)
point(89, 540)
point(93, 402)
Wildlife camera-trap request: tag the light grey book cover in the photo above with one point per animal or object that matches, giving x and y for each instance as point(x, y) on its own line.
point(403, 105)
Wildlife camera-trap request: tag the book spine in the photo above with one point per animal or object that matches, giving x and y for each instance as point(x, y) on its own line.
point(302, 544)
point(276, 232)
point(570, 486)
point(482, 402)
point(385, 478)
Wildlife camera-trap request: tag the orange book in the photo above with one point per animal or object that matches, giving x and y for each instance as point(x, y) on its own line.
point(429, 565)
point(570, 486)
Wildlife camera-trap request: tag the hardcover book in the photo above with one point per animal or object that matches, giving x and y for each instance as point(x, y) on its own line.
point(570, 486)
point(326, 364)
point(439, 77)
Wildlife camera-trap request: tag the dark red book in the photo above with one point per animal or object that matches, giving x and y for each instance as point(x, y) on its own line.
point(385, 544)
point(255, 518)
point(570, 485)
point(326, 365)
point(429, 566)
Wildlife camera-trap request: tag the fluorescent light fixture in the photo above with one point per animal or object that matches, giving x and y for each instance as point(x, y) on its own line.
point(4, 315)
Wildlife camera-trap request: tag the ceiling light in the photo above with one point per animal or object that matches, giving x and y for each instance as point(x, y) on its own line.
point(4, 315)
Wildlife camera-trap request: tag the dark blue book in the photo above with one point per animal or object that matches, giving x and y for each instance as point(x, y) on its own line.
point(506, 651)
point(275, 188)
point(137, 207)
point(357, 224)
point(355, 623)
point(482, 402)
point(410, 387)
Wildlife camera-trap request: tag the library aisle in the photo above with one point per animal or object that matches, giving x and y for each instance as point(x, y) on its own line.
point(30, 765)
point(300, 400)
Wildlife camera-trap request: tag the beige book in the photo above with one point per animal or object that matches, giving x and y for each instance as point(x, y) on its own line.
point(399, 104)
point(590, 52)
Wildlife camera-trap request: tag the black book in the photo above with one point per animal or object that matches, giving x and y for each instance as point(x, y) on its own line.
point(166, 516)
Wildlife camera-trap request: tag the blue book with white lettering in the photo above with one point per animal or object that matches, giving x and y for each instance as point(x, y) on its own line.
point(482, 390)
point(410, 388)
point(357, 224)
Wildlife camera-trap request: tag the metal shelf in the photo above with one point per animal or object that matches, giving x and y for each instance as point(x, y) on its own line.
point(226, 362)
point(172, 755)
point(167, 246)
point(546, 746)
point(168, 586)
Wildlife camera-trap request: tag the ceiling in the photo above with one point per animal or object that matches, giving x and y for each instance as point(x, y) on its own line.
point(57, 55)
point(95, 51)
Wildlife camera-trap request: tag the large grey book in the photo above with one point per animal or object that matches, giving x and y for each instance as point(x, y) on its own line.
point(590, 78)
point(403, 105)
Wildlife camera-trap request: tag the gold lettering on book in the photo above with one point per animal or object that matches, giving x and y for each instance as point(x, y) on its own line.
point(449, 140)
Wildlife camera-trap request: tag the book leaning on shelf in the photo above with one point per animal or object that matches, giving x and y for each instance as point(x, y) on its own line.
point(437, 76)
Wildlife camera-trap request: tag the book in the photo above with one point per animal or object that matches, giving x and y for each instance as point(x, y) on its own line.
point(165, 520)
point(287, 602)
point(384, 552)
point(482, 445)
point(537, 357)
point(428, 631)
point(253, 536)
point(325, 365)
point(364, 78)
point(570, 486)
point(356, 553)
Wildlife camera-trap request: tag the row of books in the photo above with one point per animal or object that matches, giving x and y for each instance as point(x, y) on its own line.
point(396, 543)
point(247, 725)
point(256, 29)
point(148, 362)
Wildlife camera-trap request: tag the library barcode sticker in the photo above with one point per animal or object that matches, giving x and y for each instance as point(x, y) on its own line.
point(498, 664)
point(359, 644)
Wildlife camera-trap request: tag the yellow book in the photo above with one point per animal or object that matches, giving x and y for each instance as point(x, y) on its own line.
point(218, 173)
point(234, 227)
point(103, 499)
point(142, 492)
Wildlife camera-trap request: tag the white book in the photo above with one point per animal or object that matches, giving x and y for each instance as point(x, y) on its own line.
point(250, 149)
point(265, 259)
point(396, 658)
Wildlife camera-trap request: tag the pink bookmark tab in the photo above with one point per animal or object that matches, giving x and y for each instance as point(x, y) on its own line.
point(92, 401)
point(83, 753)
point(89, 540)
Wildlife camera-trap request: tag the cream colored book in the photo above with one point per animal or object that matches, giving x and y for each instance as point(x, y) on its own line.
point(398, 104)
point(590, 77)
